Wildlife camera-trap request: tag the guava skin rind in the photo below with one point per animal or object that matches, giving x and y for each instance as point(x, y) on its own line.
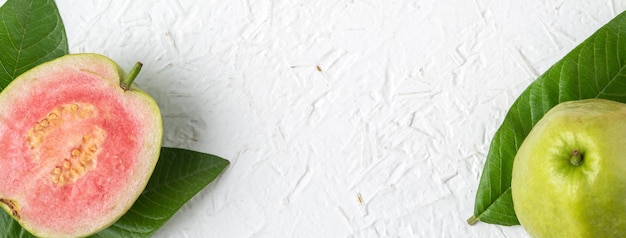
point(552, 196)
point(130, 125)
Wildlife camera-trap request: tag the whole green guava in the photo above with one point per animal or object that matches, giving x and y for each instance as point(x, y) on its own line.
point(569, 174)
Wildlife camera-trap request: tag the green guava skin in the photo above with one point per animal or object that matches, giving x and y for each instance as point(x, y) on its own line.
point(557, 194)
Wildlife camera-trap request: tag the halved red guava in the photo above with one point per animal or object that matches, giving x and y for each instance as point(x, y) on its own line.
point(77, 145)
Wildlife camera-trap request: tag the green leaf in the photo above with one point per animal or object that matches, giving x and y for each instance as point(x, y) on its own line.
point(10, 228)
point(178, 176)
point(594, 69)
point(31, 32)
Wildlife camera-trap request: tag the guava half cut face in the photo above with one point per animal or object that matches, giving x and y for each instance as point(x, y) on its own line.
point(76, 148)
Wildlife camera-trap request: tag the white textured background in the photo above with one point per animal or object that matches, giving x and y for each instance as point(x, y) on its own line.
point(402, 112)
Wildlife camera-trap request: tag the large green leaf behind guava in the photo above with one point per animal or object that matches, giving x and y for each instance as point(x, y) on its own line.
point(594, 69)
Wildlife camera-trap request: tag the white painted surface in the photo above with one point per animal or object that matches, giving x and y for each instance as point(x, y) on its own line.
point(402, 112)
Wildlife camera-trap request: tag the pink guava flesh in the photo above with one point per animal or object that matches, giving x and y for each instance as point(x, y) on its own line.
point(72, 150)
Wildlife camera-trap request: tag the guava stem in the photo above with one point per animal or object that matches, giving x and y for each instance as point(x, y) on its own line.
point(577, 158)
point(128, 81)
point(472, 220)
